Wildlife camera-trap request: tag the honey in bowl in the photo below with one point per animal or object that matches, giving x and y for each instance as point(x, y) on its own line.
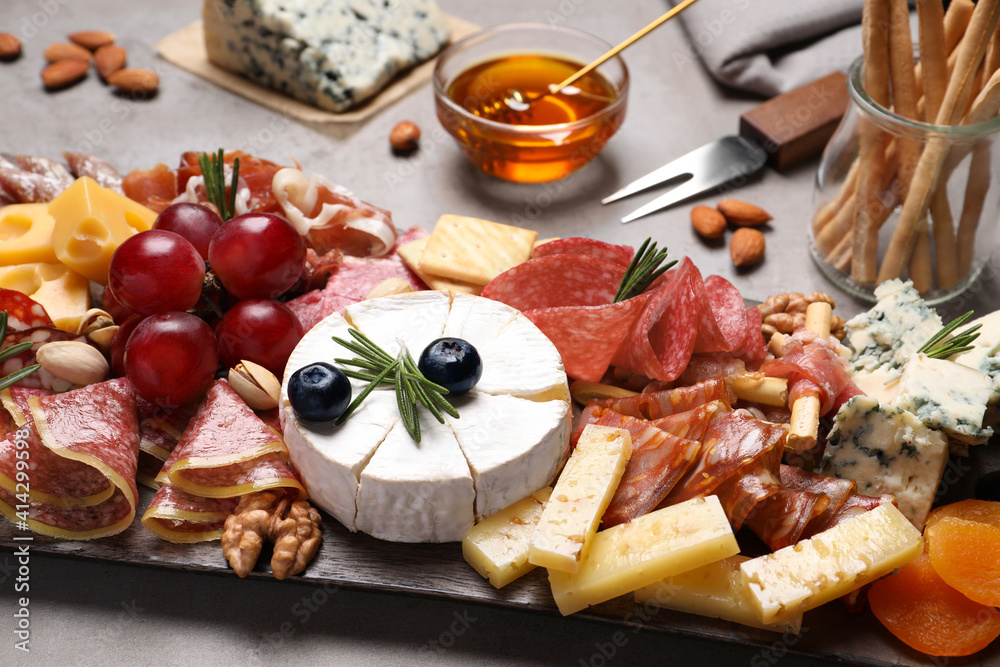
point(557, 133)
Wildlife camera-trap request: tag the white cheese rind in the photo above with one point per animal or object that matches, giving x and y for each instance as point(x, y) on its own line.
point(521, 361)
point(416, 318)
point(946, 396)
point(333, 54)
point(886, 449)
point(511, 444)
point(830, 564)
point(417, 492)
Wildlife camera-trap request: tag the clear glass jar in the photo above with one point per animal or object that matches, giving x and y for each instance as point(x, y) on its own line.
point(936, 228)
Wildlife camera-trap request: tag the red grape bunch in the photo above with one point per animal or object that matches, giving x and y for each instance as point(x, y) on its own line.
point(170, 355)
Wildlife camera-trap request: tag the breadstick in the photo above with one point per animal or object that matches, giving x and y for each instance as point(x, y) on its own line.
point(944, 236)
point(804, 424)
point(584, 392)
point(758, 388)
point(972, 208)
point(830, 209)
point(933, 54)
point(956, 22)
point(834, 232)
point(871, 153)
point(840, 258)
point(920, 270)
point(981, 27)
point(904, 93)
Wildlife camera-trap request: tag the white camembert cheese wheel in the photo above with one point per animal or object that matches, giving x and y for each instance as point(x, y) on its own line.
point(510, 440)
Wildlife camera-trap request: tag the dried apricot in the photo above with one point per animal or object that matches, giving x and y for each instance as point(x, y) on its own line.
point(984, 511)
point(927, 614)
point(966, 554)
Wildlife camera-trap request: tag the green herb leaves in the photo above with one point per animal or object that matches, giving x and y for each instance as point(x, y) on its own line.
point(956, 345)
point(647, 265)
point(378, 367)
point(213, 169)
point(10, 352)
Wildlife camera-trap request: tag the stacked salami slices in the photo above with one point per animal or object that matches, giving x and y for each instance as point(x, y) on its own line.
point(568, 291)
point(226, 451)
point(68, 468)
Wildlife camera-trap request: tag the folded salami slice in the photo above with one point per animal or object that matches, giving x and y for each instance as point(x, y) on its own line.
point(690, 424)
point(77, 441)
point(657, 404)
point(159, 431)
point(23, 312)
point(177, 516)
point(658, 460)
point(578, 245)
point(557, 281)
point(227, 451)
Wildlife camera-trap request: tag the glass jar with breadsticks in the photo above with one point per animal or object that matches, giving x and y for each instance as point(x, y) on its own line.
point(905, 188)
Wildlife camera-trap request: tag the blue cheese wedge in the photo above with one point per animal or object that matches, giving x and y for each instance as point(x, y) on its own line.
point(886, 449)
point(985, 353)
point(509, 441)
point(332, 54)
point(946, 396)
point(892, 331)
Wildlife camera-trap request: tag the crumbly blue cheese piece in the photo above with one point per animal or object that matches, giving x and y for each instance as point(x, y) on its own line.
point(892, 331)
point(333, 54)
point(985, 353)
point(946, 396)
point(886, 449)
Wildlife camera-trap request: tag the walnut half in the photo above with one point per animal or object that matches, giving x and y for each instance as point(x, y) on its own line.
point(271, 516)
point(784, 313)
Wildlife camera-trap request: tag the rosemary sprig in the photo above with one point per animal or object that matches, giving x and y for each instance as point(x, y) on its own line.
point(645, 267)
point(213, 170)
point(10, 352)
point(378, 367)
point(959, 343)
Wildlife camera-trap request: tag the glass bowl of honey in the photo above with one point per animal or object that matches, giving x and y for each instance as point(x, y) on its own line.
point(553, 134)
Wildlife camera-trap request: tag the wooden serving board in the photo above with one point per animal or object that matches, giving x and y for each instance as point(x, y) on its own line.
point(358, 561)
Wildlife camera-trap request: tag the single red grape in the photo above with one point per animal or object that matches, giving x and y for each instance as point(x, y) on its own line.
point(156, 272)
point(118, 343)
point(194, 222)
point(257, 255)
point(259, 330)
point(171, 359)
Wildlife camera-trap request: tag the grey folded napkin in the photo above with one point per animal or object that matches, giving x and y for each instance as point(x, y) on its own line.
point(771, 46)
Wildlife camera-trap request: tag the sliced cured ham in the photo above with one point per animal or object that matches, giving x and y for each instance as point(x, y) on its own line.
point(83, 444)
point(227, 451)
point(813, 368)
point(82, 164)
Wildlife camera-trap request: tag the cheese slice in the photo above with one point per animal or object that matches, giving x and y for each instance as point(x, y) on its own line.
point(64, 293)
point(498, 547)
point(650, 548)
point(715, 590)
point(581, 495)
point(372, 477)
point(947, 396)
point(830, 564)
point(26, 234)
point(417, 492)
point(90, 223)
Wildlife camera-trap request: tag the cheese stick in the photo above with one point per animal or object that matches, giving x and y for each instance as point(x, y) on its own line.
point(804, 424)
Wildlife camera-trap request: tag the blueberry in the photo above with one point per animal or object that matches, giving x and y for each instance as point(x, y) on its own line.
point(452, 363)
point(319, 392)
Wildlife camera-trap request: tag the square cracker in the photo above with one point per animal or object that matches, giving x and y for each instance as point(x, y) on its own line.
point(474, 251)
point(411, 252)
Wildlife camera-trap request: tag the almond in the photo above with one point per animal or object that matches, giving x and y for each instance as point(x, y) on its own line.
point(92, 39)
point(404, 137)
point(64, 73)
point(134, 80)
point(63, 51)
point(708, 222)
point(747, 246)
point(743, 214)
point(109, 59)
point(10, 46)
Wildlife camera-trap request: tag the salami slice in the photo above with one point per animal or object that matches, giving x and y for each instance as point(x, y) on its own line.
point(587, 337)
point(23, 312)
point(690, 424)
point(578, 245)
point(671, 401)
point(723, 326)
point(38, 336)
point(557, 281)
point(662, 340)
point(658, 460)
point(227, 451)
point(94, 427)
point(180, 517)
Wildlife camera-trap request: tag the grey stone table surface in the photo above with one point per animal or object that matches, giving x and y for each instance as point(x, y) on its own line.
point(90, 613)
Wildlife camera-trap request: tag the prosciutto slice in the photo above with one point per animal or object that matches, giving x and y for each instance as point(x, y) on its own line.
point(813, 368)
point(84, 447)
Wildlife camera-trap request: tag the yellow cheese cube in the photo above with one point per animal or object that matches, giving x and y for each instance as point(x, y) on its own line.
point(830, 564)
point(90, 223)
point(497, 547)
point(64, 293)
point(653, 547)
point(580, 497)
point(715, 590)
point(26, 234)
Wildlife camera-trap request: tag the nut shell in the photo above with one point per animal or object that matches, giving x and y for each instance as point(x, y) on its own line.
point(257, 386)
point(74, 361)
point(746, 247)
